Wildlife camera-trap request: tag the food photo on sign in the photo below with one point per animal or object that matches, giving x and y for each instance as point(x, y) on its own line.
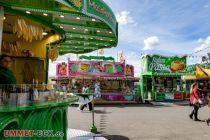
point(62, 69)
point(96, 68)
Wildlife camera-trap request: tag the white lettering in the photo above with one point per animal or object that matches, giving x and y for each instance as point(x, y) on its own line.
point(159, 67)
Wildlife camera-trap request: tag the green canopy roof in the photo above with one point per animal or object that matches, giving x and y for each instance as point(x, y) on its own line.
point(84, 25)
point(191, 68)
point(96, 58)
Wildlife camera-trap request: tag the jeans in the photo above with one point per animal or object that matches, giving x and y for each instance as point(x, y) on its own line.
point(195, 112)
point(89, 104)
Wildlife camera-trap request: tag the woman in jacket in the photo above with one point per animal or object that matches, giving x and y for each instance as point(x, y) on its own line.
point(194, 97)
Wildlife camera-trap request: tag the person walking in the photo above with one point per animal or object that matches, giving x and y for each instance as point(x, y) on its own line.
point(86, 91)
point(208, 99)
point(194, 101)
point(97, 90)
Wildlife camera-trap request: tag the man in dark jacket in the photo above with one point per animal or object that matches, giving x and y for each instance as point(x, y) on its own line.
point(6, 75)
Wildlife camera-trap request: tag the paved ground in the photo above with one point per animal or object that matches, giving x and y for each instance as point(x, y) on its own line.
point(143, 122)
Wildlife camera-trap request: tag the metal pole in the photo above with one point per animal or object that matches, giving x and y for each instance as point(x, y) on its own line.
point(1, 25)
point(93, 117)
point(93, 129)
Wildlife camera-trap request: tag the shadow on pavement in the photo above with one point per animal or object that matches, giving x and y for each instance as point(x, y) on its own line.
point(101, 112)
point(116, 137)
point(149, 105)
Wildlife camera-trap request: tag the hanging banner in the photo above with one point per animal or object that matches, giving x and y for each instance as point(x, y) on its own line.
point(157, 63)
point(61, 69)
point(96, 68)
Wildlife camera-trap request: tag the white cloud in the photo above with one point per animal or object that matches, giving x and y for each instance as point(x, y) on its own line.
point(151, 42)
point(206, 6)
point(200, 40)
point(124, 18)
point(203, 44)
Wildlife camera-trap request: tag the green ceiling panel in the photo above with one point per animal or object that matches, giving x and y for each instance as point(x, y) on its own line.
point(77, 4)
point(84, 25)
point(99, 9)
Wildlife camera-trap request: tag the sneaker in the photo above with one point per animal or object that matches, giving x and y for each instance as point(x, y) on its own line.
point(191, 117)
point(197, 120)
point(207, 122)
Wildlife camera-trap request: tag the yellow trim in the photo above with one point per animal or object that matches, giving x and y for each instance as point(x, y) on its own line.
point(200, 73)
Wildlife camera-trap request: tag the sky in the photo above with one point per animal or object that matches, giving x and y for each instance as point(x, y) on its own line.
point(165, 27)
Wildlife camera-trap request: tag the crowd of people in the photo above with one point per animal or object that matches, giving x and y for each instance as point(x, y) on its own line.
point(198, 99)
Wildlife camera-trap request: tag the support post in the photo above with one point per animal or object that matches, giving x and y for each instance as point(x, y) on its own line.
point(153, 88)
point(47, 65)
point(1, 25)
point(142, 89)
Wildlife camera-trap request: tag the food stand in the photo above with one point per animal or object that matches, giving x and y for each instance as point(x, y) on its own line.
point(116, 79)
point(161, 77)
point(200, 73)
point(32, 32)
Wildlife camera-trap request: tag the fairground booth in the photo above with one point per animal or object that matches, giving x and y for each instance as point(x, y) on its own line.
point(161, 77)
point(116, 80)
point(33, 32)
point(200, 73)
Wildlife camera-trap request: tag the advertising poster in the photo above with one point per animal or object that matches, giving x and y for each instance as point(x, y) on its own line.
point(158, 63)
point(129, 71)
point(95, 68)
point(61, 69)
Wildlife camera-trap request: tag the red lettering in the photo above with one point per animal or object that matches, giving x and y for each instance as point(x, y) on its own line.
point(20, 133)
point(12, 133)
point(6, 133)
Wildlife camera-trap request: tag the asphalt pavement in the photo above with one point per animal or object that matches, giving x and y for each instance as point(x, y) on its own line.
point(143, 122)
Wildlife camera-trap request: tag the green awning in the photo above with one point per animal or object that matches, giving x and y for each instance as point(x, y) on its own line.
point(96, 58)
point(191, 68)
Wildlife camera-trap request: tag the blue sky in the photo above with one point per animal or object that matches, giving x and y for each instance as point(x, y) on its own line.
point(166, 27)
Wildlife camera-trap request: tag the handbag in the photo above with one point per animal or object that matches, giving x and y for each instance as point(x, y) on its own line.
point(200, 101)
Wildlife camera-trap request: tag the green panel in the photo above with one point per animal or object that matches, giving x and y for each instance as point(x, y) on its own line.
point(144, 64)
point(96, 58)
point(160, 97)
point(105, 37)
point(104, 28)
point(162, 64)
point(191, 68)
point(97, 8)
point(43, 116)
point(77, 4)
point(31, 3)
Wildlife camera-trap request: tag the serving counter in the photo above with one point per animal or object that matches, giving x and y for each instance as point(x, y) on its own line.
point(176, 95)
point(35, 119)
